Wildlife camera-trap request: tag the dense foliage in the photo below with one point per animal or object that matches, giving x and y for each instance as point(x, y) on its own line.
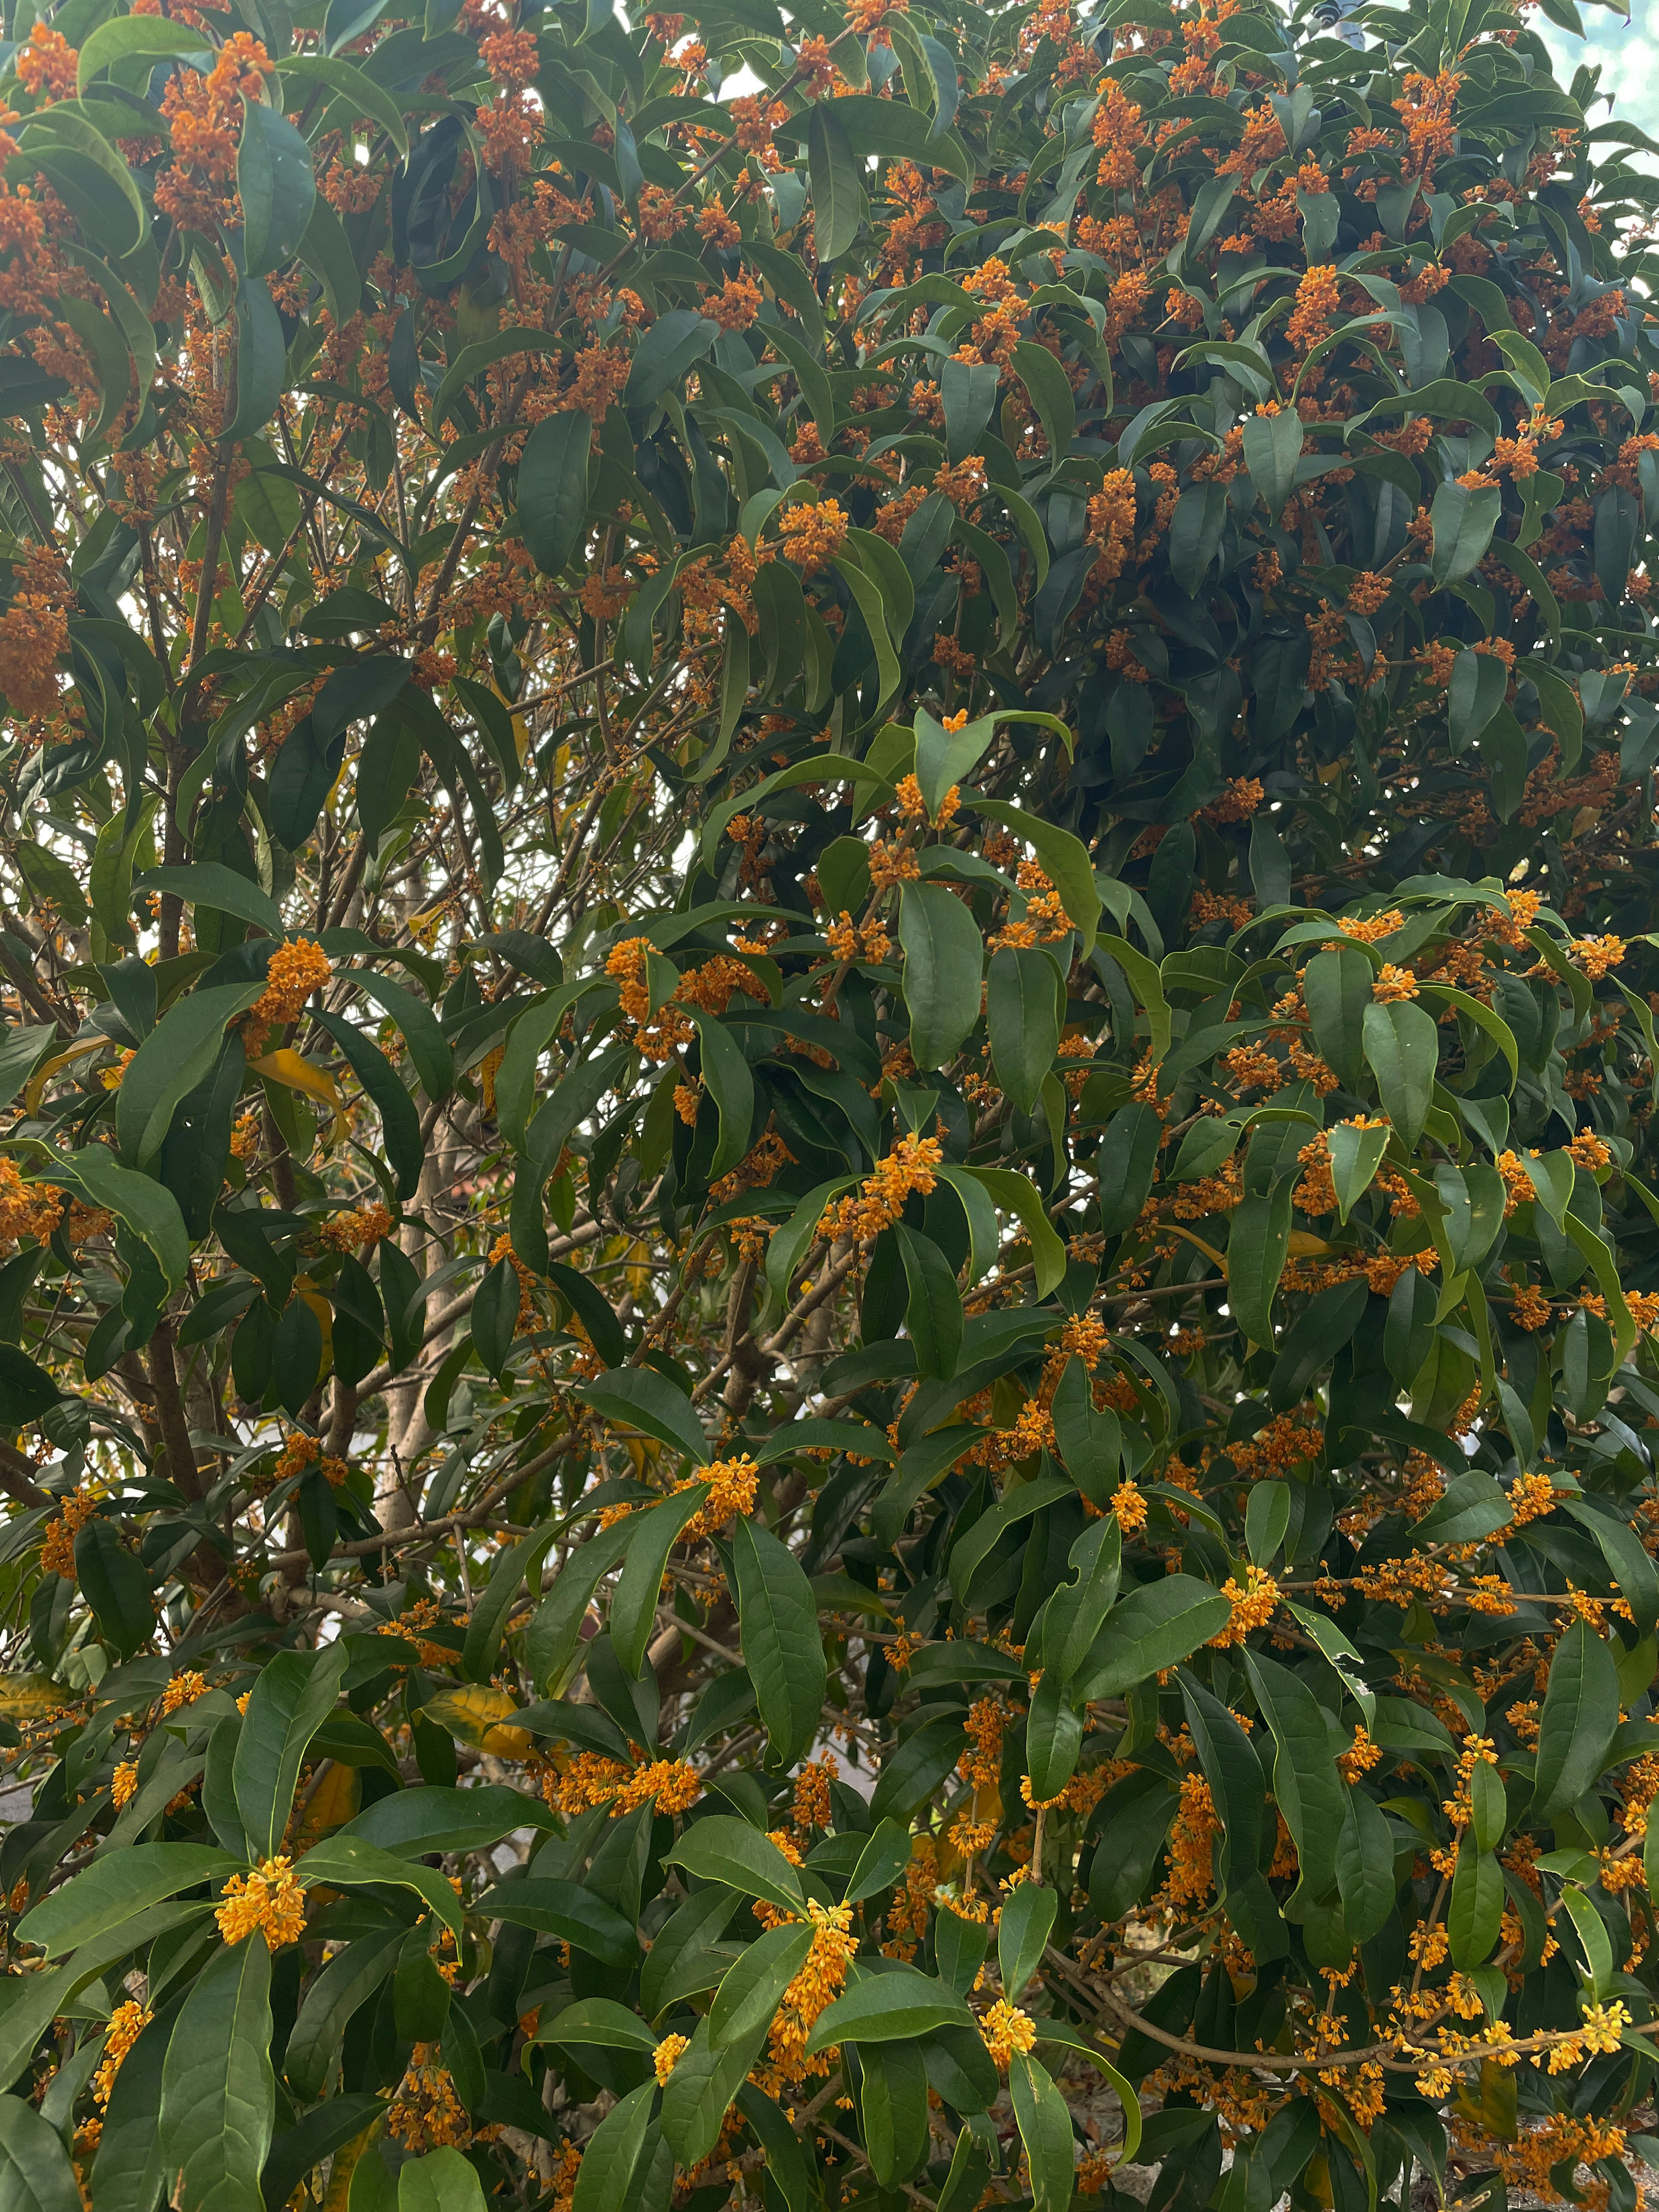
point(826, 918)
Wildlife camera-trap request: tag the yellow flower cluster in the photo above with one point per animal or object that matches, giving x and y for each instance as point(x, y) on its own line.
point(1006, 2029)
point(908, 1168)
point(126, 2024)
point(818, 1985)
point(269, 1899)
point(183, 1690)
point(732, 1486)
point(1253, 1605)
point(364, 1224)
point(57, 1543)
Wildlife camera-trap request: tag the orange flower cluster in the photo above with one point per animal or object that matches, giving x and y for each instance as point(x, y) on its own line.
point(732, 1486)
point(910, 1168)
point(814, 534)
point(351, 1231)
point(34, 627)
point(296, 971)
point(269, 1899)
point(57, 1541)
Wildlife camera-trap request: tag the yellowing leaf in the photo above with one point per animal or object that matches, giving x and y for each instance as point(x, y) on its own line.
point(474, 1714)
point(48, 1068)
point(335, 1799)
point(293, 1069)
point(31, 1697)
point(1303, 1245)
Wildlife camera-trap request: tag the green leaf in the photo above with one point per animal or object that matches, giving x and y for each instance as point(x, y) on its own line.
point(126, 2174)
point(116, 1586)
point(1325, 1324)
point(1051, 394)
point(400, 1121)
point(261, 358)
point(700, 2091)
point(932, 1314)
point(753, 1987)
point(724, 1849)
point(218, 2093)
point(1579, 1720)
point(1402, 1045)
point(434, 1061)
point(1257, 1243)
point(276, 186)
point(1016, 1194)
point(1023, 1932)
point(210, 884)
point(597, 2021)
point(294, 1695)
point(345, 1983)
point(893, 2109)
point(1153, 1627)
point(640, 1398)
point(1065, 860)
point(1023, 1015)
point(35, 2173)
point(555, 1629)
point(472, 361)
point(494, 1318)
point(1126, 1161)
point(1336, 986)
point(148, 1209)
point(868, 588)
point(1195, 533)
point(178, 1052)
point(327, 252)
point(1475, 1911)
point(1233, 1774)
point(634, 1604)
point(1045, 2129)
point(882, 1860)
point(1074, 1616)
point(358, 92)
point(520, 1564)
point(114, 1889)
point(553, 488)
point(838, 195)
point(725, 1072)
point(441, 2181)
point(343, 1860)
point(616, 2156)
point(21, 1050)
point(980, 1539)
point(563, 1909)
point(1364, 1865)
point(777, 1621)
point(674, 342)
point(910, 1774)
point(1463, 519)
point(943, 956)
point(889, 2007)
point(1356, 1156)
point(1306, 1785)
point(1478, 681)
point(1273, 447)
point(113, 40)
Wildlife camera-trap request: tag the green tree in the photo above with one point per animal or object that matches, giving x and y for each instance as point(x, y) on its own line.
point(826, 897)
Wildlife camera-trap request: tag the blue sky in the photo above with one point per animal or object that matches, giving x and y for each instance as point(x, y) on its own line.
point(1628, 54)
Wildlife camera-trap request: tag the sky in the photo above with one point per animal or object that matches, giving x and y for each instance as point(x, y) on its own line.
point(1627, 54)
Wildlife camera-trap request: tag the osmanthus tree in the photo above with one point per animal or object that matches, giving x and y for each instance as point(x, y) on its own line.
point(826, 911)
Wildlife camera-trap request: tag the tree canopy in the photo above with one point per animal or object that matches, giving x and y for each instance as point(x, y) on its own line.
point(828, 1244)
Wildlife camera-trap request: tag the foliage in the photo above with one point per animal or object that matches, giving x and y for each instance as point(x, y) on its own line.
point(828, 913)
